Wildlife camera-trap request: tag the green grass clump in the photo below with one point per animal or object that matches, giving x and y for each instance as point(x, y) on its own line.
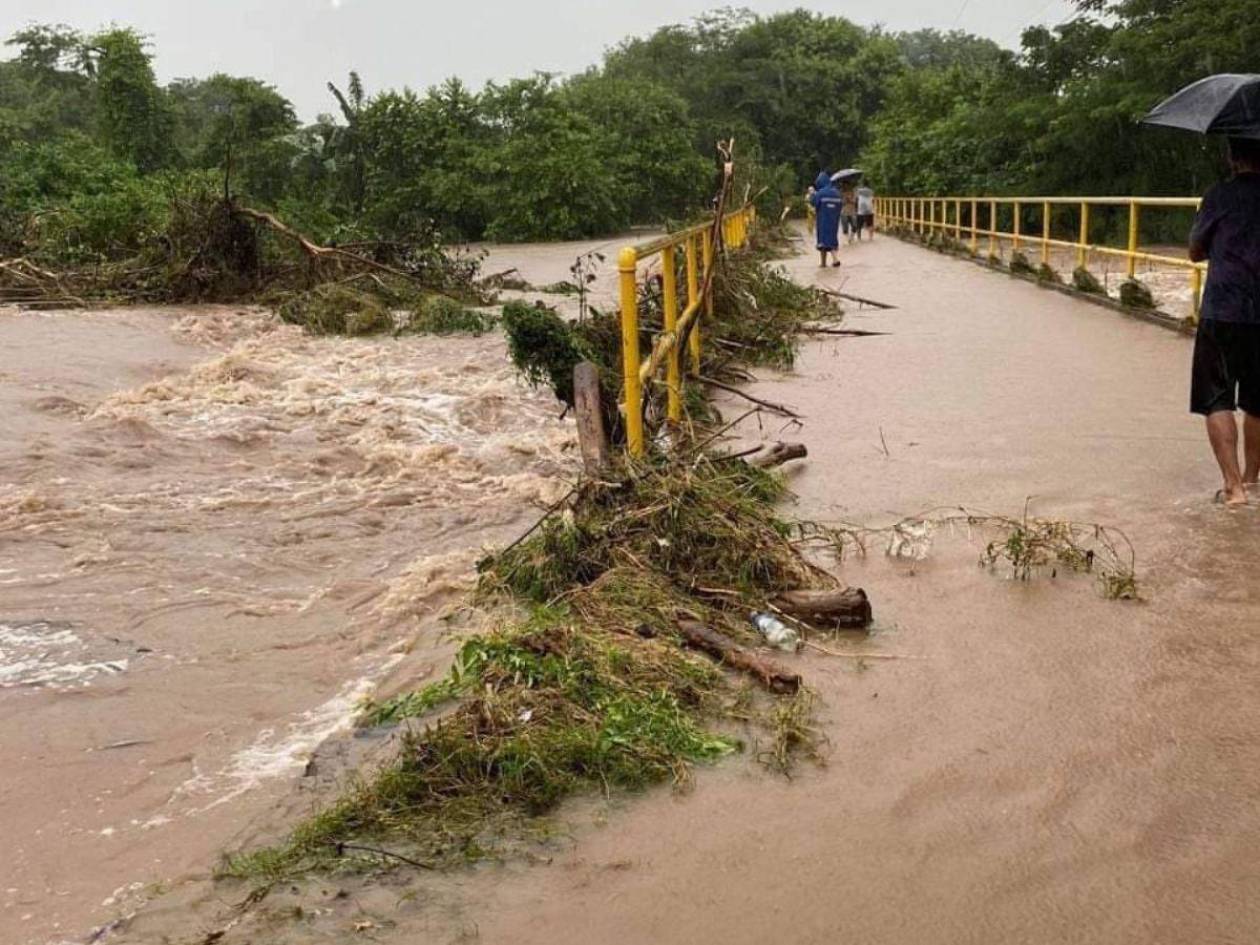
point(1085, 281)
point(338, 309)
point(439, 315)
point(1045, 273)
point(711, 521)
point(1020, 265)
point(1135, 295)
point(550, 709)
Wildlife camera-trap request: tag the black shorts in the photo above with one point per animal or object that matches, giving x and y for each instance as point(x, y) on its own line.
point(866, 220)
point(1226, 370)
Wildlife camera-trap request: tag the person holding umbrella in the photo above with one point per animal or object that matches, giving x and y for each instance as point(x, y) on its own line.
point(1225, 374)
point(848, 201)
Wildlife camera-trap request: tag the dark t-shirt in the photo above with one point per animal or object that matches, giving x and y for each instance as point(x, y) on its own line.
point(1228, 227)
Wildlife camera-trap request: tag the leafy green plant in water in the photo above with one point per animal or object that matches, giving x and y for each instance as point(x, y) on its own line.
point(338, 309)
point(439, 315)
point(544, 347)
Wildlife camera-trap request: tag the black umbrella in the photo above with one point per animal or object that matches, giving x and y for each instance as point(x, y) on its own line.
point(1218, 105)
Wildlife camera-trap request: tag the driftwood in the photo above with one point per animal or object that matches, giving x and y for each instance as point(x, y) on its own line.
point(856, 298)
point(771, 675)
point(590, 418)
point(779, 454)
point(845, 332)
point(847, 607)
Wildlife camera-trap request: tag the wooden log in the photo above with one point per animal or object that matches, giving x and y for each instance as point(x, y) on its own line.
point(770, 674)
point(779, 454)
point(592, 438)
point(847, 607)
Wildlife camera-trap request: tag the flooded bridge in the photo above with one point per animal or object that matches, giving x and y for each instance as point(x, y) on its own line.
point(213, 534)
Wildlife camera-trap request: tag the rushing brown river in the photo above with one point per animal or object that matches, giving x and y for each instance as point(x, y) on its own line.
point(217, 535)
point(227, 573)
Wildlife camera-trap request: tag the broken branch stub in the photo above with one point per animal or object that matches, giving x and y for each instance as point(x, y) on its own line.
point(779, 454)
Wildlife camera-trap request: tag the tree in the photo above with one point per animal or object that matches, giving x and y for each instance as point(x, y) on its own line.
point(132, 114)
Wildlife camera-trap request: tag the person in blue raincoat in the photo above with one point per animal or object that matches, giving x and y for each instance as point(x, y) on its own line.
point(827, 203)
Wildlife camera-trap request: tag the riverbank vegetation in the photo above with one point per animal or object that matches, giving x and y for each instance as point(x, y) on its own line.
point(95, 153)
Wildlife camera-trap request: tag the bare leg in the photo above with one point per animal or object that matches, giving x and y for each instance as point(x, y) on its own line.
point(822, 255)
point(1222, 431)
point(1251, 449)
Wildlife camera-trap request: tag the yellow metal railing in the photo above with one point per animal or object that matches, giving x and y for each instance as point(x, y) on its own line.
point(927, 215)
point(697, 246)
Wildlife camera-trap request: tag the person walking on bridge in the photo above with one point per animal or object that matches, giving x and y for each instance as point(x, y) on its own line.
point(866, 211)
point(1226, 370)
point(826, 202)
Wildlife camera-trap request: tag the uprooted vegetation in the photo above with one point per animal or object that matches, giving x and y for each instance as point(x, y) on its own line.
point(1021, 548)
point(204, 247)
point(758, 316)
point(372, 305)
point(590, 685)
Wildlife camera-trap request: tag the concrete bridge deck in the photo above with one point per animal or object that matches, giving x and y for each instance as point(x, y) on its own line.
point(1059, 767)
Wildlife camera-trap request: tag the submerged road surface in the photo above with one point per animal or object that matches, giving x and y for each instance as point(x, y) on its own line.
point(1053, 767)
point(1057, 767)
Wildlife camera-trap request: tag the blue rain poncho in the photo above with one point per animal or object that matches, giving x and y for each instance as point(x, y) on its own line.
point(827, 203)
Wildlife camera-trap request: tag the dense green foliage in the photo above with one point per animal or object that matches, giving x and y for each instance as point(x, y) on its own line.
point(92, 146)
point(1062, 116)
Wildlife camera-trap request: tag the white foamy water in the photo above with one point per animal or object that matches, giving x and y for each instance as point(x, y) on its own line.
point(279, 753)
point(44, 653)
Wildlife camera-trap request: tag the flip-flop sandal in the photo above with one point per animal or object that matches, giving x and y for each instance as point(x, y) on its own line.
point(1219, 499)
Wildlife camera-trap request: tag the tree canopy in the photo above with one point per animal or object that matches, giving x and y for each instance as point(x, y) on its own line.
point(90, 142)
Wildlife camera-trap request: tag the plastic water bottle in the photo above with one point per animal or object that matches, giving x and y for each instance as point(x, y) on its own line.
point(776, 633)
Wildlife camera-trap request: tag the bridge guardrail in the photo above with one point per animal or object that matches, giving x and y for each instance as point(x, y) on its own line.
point(932, 214)
point(697, 245)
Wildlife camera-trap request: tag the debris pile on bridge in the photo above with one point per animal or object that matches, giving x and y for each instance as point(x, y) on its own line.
point(625, 653)
point(603, 674)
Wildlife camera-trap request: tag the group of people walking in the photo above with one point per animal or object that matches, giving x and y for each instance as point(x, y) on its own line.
point(843, 206)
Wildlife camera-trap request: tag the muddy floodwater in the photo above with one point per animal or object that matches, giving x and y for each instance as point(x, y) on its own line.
point(218, 576)
point(217, 535)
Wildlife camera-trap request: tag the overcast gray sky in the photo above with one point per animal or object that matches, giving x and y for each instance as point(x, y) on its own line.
point(298, 45)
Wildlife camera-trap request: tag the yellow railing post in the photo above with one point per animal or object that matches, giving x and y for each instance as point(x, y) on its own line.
point(958, 219)
point(993, 227)
point(627, 264)
point(975, 226)
point(1135, 214)
point(1045, 233)
point(1082, 254)
point(693, 293)
point(1015, 229)
point(706, 258)
point(673, 378)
